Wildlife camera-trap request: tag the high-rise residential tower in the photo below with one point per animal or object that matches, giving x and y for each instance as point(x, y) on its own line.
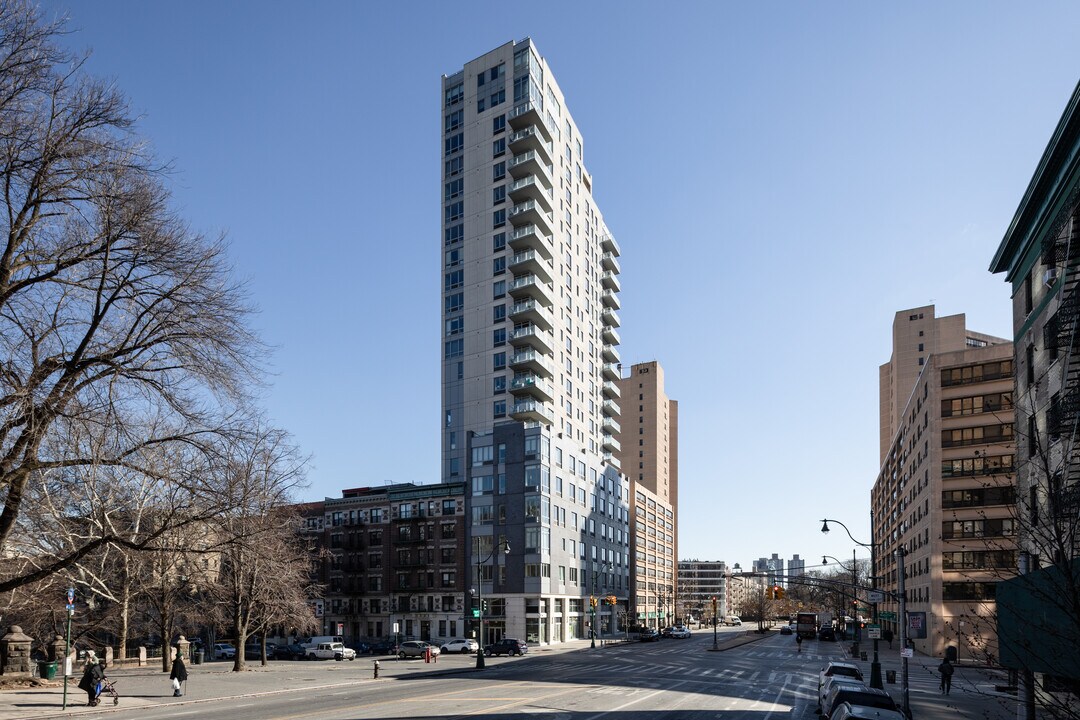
point(649, 455)
point(529, 299)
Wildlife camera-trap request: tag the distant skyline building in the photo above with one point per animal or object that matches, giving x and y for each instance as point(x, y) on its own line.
point(648, 453)
point(796, 567)
point(773, 569)
point(945, 494)
point(529, 352)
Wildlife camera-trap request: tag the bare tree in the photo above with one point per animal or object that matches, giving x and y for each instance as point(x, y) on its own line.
point(264, 563)
point(123, 343)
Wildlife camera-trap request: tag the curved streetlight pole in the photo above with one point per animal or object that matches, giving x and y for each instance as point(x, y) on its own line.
point(594, 599)
point(875, 666)
point(480, 594)
point(854, 584)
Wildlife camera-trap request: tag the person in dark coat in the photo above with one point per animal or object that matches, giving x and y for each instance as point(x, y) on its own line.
point(178, 674)
point(946, 670)
point(92, 676)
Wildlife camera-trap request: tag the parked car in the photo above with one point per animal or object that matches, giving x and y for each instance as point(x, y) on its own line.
point(862, 696)
point(293, 651)
point(834, 669)
point(649, 635)
point(679, 632)
point(847, 711)
point(829, 683)
point(361, 648)
point(224, 651)
point(383, 647)
point(460, 645)
point(785, 630)
point(331, 651)
point(254, 651)
point(507, 646)
point(416, 648)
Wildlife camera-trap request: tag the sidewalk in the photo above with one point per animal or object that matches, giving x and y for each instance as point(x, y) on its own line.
point(149, 686)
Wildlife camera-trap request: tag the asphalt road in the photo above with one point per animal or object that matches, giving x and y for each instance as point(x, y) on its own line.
point(667, 680)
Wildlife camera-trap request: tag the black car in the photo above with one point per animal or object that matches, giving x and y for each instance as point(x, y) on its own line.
point(649, 635)
point(290, 652)
point(826, 633)
point(507, 646)
point(785, 630)
point(383, 647)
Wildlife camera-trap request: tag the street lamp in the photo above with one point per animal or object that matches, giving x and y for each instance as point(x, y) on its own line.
point(480, 594)
point(854, 586)
point(875, 666)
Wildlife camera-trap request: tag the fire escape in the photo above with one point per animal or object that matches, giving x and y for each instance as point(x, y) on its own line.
point(1061, 334)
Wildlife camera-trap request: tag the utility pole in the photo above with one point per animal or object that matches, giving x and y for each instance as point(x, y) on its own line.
point(904, 649)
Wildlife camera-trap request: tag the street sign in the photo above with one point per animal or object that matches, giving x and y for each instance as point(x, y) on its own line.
point(875, 596)
point(476, 612)
point(71, 595)
point(887, 615)
point(907, 652)
point(873, 632)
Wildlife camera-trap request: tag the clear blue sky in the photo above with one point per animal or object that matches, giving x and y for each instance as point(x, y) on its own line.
point(782, 178)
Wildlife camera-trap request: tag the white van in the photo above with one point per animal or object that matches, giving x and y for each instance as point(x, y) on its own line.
point(313, 642)
point(732, 620)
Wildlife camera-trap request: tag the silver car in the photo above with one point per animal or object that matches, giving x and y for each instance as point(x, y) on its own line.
point(416, 648)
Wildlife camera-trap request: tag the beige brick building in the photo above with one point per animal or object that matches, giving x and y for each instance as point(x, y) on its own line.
point(945, 493)
point(649, 456)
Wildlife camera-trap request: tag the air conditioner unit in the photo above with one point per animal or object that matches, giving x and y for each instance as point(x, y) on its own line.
point(1050, 276)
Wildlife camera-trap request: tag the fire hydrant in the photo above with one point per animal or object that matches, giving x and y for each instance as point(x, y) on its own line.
point(376, 670)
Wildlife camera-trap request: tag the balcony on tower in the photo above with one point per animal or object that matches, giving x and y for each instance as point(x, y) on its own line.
point(532, 410)
point(532, 385)
point(531, 361)
point(610, 317)
point(531, 187)
point(610, 459)
point(610, 281)
point(611, 372)
point(529, 335)
point(611, 390)
point(530, 163)
point(530, 261)
point(610, 354)
point(611, 300)
point(530, 212)
point(611, 425)
point(608, 261)
point(611, 407)
point(531, 138)
point(531, 311)
point(610, 444)
point(608, 245)
point(530, 286)
point(530, 237)
point(528, 113)
point(610, 335)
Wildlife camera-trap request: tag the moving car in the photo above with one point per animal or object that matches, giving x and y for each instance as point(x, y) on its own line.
point(507, 646)
point(862, 696)
point(649, 635)
point(785, 630)
point(679, 632)
point(460, 645)
point(826, 633)
point(224, 651)
point(416, 648)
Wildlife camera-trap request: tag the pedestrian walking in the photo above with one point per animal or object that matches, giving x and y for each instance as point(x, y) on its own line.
point(92, 676)
point(178, 674)
point(798, 641)
point(946, 670)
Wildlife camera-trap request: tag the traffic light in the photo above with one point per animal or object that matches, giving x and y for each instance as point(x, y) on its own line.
point(612, 600)
point(483, 606)
point(592, 601)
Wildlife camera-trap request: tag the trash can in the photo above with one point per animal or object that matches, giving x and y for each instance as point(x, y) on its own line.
point(197, 657)
point(890, 677)
point(47, 670)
